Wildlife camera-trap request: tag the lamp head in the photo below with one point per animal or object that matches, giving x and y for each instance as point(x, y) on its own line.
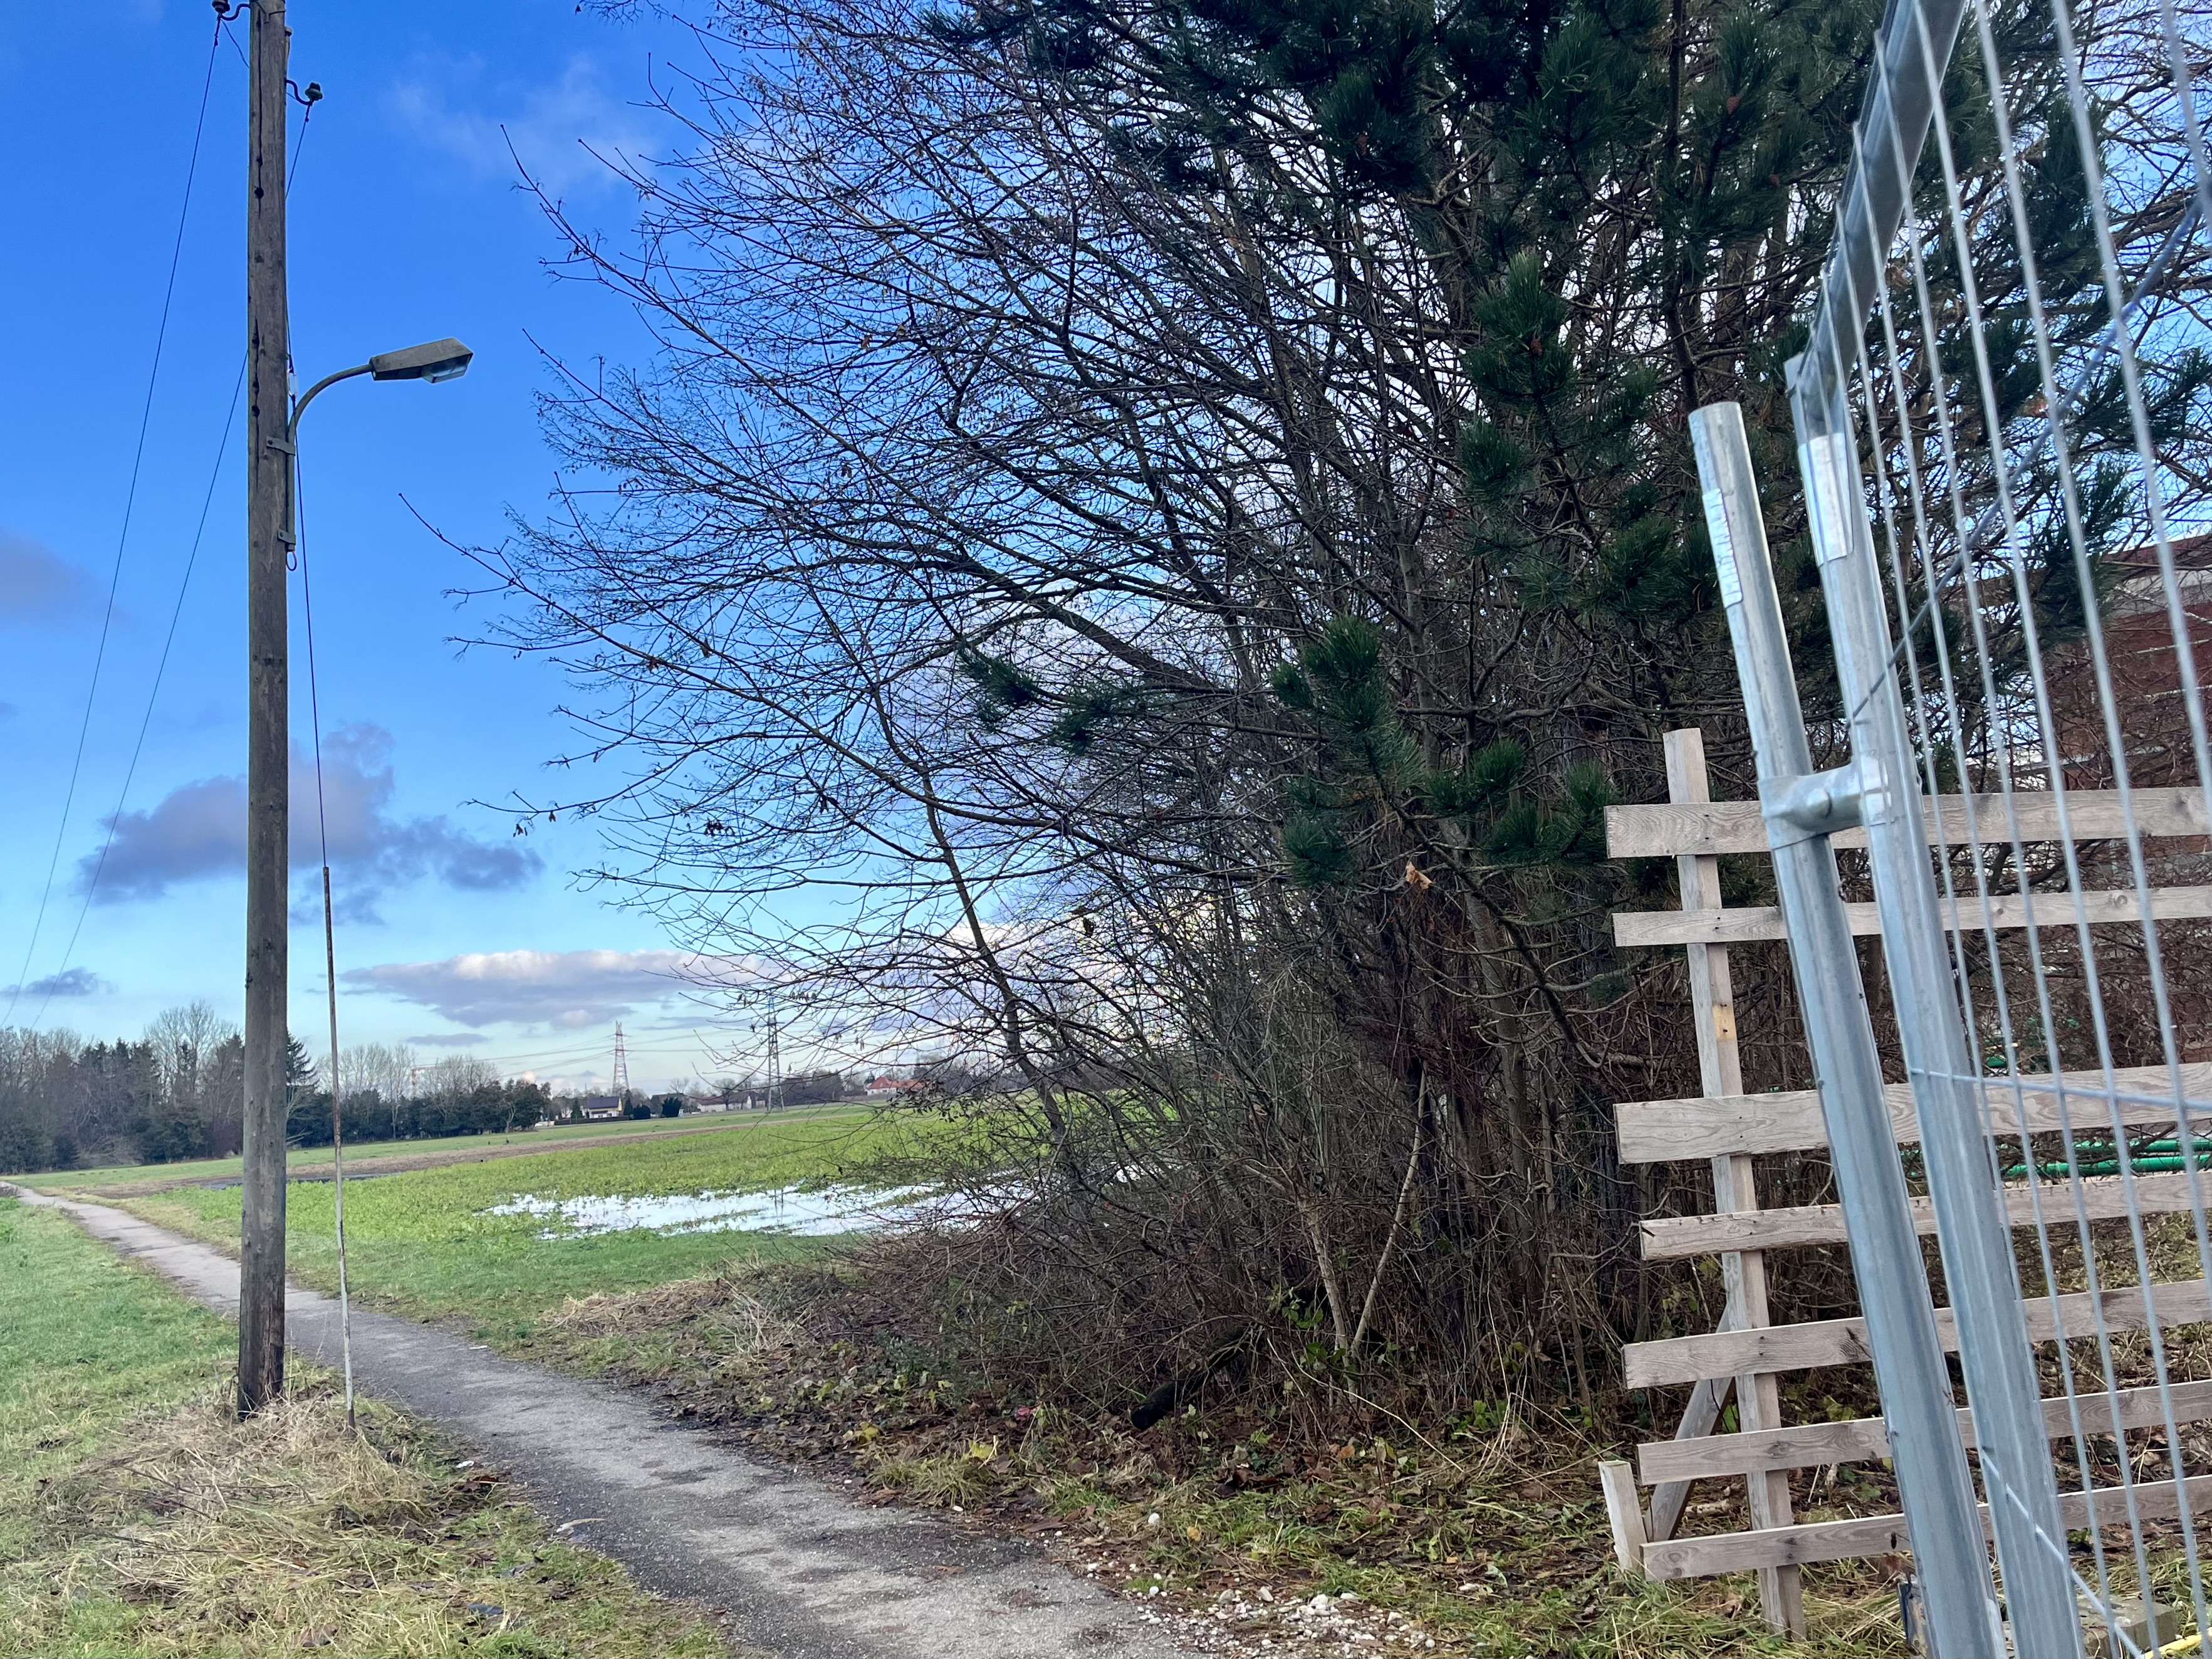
point(433, 360)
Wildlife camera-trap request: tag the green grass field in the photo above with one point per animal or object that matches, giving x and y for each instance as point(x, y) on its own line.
point(425, 1243)
point(551, 1134)
point(137, 1515)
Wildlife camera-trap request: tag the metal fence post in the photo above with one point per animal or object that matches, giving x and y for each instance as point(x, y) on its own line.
point(1936, 1492)
point(1963, 1182)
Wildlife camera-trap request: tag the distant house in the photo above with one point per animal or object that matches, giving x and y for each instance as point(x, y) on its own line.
point(883, 1088)
point(599, 1107)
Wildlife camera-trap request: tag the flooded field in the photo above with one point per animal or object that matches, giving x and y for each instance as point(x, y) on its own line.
point(820, 1212)
point(500, 1242)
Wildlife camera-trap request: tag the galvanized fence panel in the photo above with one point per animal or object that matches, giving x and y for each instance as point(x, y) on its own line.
point(2006, 451)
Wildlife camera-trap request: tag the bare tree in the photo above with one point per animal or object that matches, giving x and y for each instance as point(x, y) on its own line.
point(387, 1069)
point(1169, 532)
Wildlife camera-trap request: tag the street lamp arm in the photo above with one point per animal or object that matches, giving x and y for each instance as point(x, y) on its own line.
point(433, 360)
point(299, 404)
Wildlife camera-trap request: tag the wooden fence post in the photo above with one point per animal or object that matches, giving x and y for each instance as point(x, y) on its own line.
point(1720, 1072)
point(1624, 1510)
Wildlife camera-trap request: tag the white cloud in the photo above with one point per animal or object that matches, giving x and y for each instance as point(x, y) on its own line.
point(197, 831)
point(566, 990)
point(562, 134)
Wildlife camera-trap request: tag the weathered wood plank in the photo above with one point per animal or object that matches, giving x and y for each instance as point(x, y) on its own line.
point(1624, 1513)
point(1659, 1131)
point(1722, 1354)
point(1675, 830)
point(1698, 1416)
point(1720, 1072)
point(2101, 1198)
point(1751, 924)
point(1786, 1121)
point(1746, 924)
point(1803, 1446)
point(1843, 1341)
point(1880, 1535)
point(1798, 1546)
point(1864, 1439)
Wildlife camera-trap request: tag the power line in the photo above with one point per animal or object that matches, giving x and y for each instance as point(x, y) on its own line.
point(554, 1061)
point(532, 1057)
point(207, 501)
point(123, 537)
point(550, 1057)
point(307, 119)
point(329, 926)
point(199, 533)
point(160, 667)
point(576, 1051)
point(532, 1060)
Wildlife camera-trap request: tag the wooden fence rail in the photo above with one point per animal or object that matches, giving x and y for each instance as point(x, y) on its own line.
point(1731, 1128)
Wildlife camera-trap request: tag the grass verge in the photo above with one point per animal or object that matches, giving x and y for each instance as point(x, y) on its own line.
point(137, 1515)
point(1476, 1536)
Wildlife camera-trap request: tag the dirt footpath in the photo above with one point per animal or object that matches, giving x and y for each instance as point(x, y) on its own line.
point(802, 1570)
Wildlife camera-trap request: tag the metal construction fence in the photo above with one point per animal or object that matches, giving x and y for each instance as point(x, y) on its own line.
point(2001, 421)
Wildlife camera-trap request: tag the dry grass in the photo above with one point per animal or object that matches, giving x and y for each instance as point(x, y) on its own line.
point(138, 1516)
point(715, 1301)
point(288, 1533)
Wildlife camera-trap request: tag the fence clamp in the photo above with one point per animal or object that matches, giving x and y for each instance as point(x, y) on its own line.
point(1818, 804)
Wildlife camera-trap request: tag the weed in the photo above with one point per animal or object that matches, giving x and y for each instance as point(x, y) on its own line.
point(938, 1479)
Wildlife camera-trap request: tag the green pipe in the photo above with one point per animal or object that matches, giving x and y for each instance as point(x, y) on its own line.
point(2098, 1157)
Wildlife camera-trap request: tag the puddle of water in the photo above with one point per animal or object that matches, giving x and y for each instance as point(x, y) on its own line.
point(809, 1214)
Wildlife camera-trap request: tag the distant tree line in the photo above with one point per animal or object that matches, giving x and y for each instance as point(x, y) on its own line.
point(178, 1092)
point(493, 1107)
point(810, 1088)
point(797, 1089)
point(390, 1094)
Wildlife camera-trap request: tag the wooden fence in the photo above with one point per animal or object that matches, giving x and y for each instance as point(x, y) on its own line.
point(1731, 1129)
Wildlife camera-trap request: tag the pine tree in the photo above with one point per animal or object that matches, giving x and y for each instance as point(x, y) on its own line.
point(1625, 210)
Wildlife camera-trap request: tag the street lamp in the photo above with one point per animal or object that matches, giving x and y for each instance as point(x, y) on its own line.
point(434, 361)
point(272, 534)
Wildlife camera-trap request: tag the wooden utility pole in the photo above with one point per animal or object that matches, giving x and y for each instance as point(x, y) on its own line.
point(268, 807)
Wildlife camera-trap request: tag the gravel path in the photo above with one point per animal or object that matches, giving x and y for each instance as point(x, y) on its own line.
point(802, 1570)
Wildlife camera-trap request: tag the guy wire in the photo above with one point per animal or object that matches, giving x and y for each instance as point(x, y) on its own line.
point(329, 938)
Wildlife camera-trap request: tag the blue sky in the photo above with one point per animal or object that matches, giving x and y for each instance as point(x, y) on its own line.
point(406, 225)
